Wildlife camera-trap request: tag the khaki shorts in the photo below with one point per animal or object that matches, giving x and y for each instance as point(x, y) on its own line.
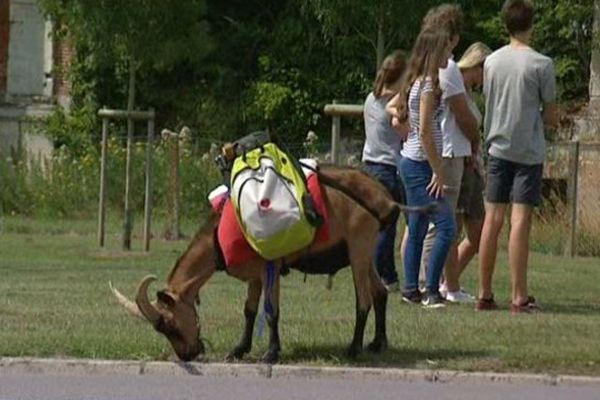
point(470, 200)
point(453, 172)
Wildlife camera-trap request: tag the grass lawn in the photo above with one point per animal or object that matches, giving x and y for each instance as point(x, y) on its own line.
point(55, 302)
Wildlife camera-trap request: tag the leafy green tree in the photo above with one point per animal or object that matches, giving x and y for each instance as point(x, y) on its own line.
point(381, 24)
point(155, 34)
point(563, 31)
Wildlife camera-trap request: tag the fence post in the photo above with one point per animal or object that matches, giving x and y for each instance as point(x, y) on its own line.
point(172, 139)
point(127, 222)
point(148, 194)
point(102, 200)
point(336, 124)
point(573, 192)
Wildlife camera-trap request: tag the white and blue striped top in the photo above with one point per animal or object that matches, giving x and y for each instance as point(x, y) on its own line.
point(413, 147)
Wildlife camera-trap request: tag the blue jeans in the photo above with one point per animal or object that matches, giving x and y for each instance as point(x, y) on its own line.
point(417, 175)
point(385, 261)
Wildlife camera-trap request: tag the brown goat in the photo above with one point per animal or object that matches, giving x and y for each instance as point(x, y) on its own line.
point(358, 207)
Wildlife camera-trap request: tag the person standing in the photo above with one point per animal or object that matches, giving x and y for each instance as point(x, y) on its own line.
point(470, 208)
point(460, 133)
point(419, 102)
point(518, 83)
point(381, 149)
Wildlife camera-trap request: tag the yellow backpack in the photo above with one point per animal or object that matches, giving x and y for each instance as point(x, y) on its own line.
point(271, 201)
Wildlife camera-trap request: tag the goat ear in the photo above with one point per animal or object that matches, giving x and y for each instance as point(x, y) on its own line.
point(166, 297)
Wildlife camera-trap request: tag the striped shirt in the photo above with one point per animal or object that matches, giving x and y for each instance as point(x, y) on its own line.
point(413, 147)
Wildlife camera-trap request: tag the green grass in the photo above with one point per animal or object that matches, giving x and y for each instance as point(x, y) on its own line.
point(55, 301)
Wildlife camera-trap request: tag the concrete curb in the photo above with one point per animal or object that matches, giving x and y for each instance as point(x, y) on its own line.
point(89, 367)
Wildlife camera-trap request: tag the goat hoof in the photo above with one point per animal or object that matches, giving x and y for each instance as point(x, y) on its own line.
point(353, 351)
point(271, 357)
point(378, 346)
point(237, 353)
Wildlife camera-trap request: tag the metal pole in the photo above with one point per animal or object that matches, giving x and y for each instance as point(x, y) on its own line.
point(573, 193)
point(102, 200)
point(148, 196)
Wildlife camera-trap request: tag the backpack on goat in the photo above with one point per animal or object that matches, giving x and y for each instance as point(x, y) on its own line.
point(272, 203)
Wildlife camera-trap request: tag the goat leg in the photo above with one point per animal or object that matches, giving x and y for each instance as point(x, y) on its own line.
point(250, 311)
point(359, 328)
point(380, 297)
point(272, 354)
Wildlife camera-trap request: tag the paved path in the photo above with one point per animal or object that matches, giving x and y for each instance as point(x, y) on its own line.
point(34, 379)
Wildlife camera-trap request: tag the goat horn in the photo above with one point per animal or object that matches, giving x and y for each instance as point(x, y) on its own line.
point(125, 302)
point(143, 303)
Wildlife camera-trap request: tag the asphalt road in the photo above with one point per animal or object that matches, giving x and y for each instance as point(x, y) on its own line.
point(150, 387)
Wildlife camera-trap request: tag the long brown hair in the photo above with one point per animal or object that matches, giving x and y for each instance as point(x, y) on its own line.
point(390, 71)
point(427, 55)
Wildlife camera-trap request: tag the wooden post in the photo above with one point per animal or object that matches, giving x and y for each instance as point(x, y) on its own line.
point(148, 195)
point(127, 221)
point(571, 249)
point(336, 124)
point(128, 217)
point(173, 200)
point(102, 200)
point(175, 187)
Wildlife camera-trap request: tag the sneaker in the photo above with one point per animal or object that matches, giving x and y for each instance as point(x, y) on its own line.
point(412, 296)
point(486, 304)
point(443, 290)
point(433, 300)
point(460, 297)
point(392, 287)
point(528, 307)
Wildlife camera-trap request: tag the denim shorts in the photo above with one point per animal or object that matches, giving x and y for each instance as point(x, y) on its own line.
point(511, 182)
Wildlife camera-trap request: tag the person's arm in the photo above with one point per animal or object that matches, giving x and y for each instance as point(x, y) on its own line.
point(464, 117)
point(426, 118)
point(401, 128)
point(392, 106)
point(551, 115)
point(548, 97)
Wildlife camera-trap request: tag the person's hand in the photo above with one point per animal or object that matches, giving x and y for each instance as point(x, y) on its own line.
point(436, 186)
point(476, 160)
point(402, 128)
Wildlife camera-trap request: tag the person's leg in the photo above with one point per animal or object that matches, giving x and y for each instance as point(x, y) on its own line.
point(518, 250)
point(472, 214)
point(488, 248)
point(416, 177)
point(384, 252)
point(500, 177)
point(446, 232)
point(526, 195)
point(417, 228)
point(469, 246)
point(454, 176)
point(453, 168)
point(427, 246)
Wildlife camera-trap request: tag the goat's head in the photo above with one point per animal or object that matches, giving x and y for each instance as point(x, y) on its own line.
point(172, 314)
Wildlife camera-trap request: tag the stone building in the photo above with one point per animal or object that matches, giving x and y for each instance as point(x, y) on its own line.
point(29, 88)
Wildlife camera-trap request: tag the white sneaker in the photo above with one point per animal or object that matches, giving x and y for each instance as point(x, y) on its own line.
point(443, 290)
point(460, 297)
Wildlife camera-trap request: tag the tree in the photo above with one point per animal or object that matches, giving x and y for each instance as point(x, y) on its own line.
point(159, 34)
point(382, 24)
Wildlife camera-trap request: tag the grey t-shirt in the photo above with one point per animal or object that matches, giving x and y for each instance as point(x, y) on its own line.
point(382, 144)
point(516, 83)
